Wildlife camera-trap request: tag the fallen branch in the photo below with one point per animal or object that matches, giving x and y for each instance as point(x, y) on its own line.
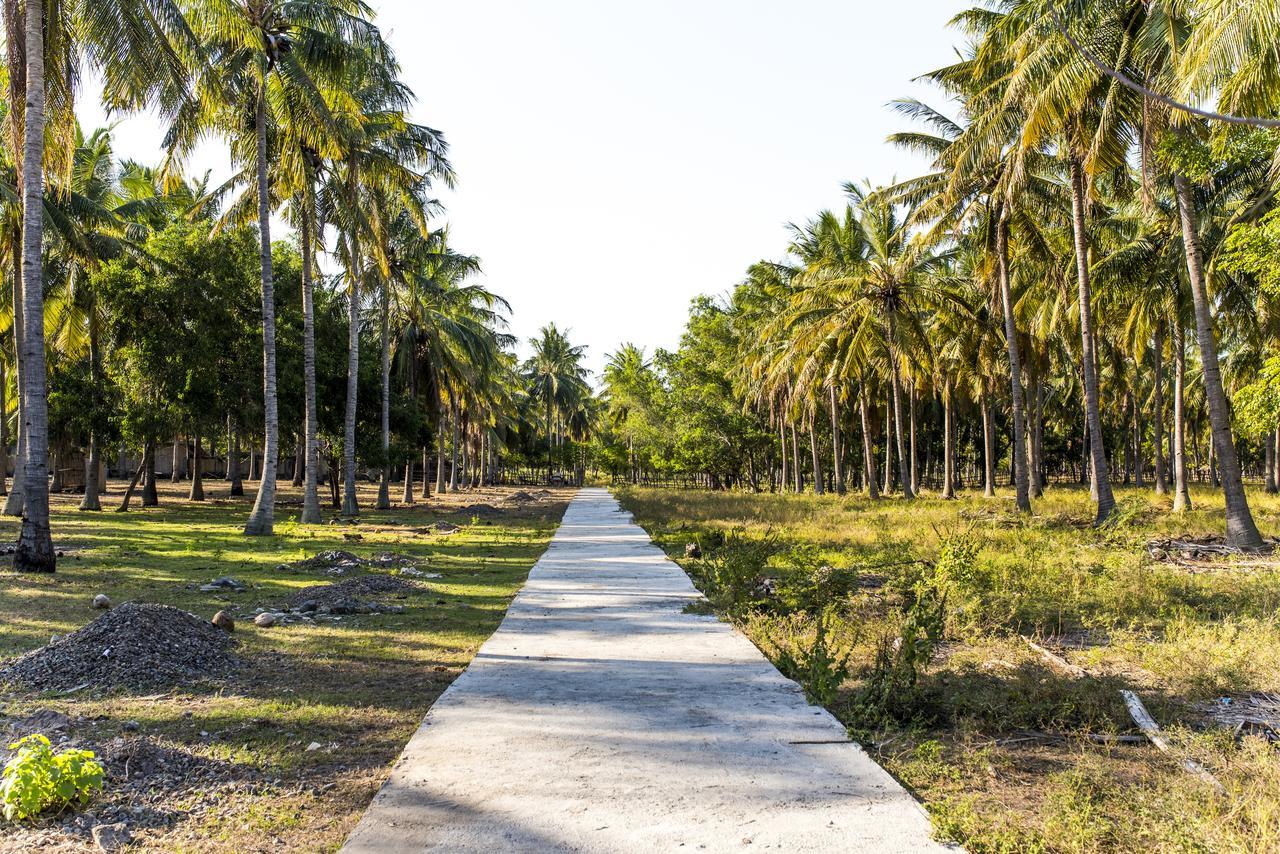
point(1151, 730)
point(1055, 660)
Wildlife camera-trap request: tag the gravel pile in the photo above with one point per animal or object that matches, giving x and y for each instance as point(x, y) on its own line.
point(131, 646)
point(351, 596)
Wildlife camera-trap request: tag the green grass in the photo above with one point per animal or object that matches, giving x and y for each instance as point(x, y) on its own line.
point(993, 740)
point(362, 684)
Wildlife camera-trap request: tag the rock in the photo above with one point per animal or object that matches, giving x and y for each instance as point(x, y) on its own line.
point(223, 621)
point(265, 620)
point(132, 726)
point(306, 607)
point(101, 602)
point(224, 583)
point(315, 745)
point(691, 550)
point(111, 837)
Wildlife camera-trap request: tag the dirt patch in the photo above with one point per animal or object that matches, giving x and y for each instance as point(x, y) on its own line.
point(479, 510)
point(353, 596)
point(339, 562)
point(132, 646)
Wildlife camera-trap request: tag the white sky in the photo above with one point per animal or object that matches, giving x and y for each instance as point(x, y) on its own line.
point(617, 159)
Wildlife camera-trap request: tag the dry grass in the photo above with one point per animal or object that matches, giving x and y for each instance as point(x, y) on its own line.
point(997, 743)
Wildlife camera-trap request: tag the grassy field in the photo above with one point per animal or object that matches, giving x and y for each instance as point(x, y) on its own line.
point(907, 621)
point(242, 776)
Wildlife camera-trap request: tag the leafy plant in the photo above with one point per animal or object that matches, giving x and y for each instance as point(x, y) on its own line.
point(816, 664)
point(732, 573)
point(37, 779)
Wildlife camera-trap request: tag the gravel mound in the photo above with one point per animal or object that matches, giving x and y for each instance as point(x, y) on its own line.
point(133, 645)
point(349, 597)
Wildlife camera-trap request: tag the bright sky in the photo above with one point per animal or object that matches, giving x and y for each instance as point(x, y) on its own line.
point(617, 159)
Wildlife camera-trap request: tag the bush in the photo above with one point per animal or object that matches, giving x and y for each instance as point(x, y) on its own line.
point(814, 661)
point(732, 573)
point(37, 779)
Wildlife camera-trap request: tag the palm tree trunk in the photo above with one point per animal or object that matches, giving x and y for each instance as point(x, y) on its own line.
point(233, 463)
point(1269, 462)
point(796, 474)
point(1162, 480)
point(868, 450)
point(174, 465)
point(4, 430)
point(1137, 444)
point(1241, 530)
point(384, 484)
point(904, 464)
point(915, 468)
point(948, 443)
point(887, 486)
point(1181, 492)
point(426, 475)
point(819, 485)
point(197, 478)
point(310, 429)
point(782, 441)
point(406, 497)
point(350, 504)
point(299, 460)
point(456, 418)
point(837, 450)
point(262, 518)
point(441, 424)
point(1093, 412)
point(1021, 471)
point(91, 500)
point(34, 552)
point(988, 449)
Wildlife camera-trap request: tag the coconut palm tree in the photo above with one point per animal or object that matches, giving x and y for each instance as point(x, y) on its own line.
point(557, 381)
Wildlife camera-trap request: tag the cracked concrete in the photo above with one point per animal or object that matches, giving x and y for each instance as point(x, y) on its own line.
point(600, 717)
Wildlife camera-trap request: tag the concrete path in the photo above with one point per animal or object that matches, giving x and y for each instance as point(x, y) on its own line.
point(599, 717)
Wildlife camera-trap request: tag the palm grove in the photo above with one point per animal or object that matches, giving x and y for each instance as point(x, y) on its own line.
point(1081, 287)
point(169, 307)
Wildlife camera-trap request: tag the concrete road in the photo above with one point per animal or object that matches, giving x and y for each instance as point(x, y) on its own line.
point(600, 717)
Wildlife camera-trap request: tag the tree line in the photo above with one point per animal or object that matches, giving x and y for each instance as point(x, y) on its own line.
point(1082, 285)
point(147, 304)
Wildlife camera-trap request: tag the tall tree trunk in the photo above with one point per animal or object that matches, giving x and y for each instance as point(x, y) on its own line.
point(948, 442)
point(782, 440)
point(150, 497)
point(34, 551)
point(15, 46)
point(426, 473)
point(887, 487)
point(456, 413)
point(1137, 444)
point(262, 517)
point(904, 464)
point(91, 500)
point(1241, 530)
point(406, 497)
point(197, 477)
point(818, 480)
point(797, 474)
point(175, 467)
point(1269, 463)
point(1093, 412)
point(233, 463)
point(988, 449)
point(837, 442)
point(1181, 492)
point(350, 504)
point(1162, 479)
point(1021, 471)
point(4, 430)
point(310, 428)
point(868, 450)
point(299, 460)
point(384, 484)
point(915, 470)
point(441, 425)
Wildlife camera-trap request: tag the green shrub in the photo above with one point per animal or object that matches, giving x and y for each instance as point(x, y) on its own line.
point(732, 573)
point(37, 779)
point(814, 661)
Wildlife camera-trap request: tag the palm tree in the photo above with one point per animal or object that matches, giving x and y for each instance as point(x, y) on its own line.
point(556, 380)
point(262, 54)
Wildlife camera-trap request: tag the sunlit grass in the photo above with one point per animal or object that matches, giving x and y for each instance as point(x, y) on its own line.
point(362, 683)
